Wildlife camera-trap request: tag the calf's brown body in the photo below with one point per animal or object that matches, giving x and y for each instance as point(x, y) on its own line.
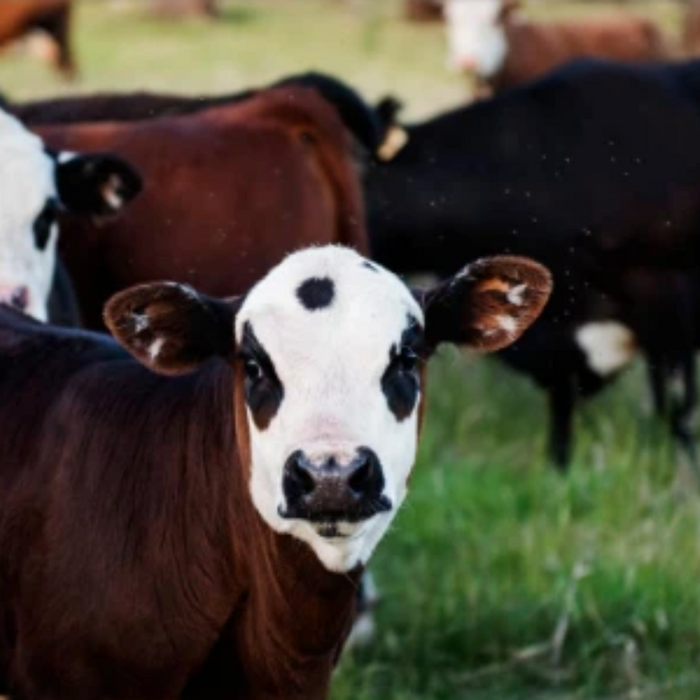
point(132, 561)
point(228, 193)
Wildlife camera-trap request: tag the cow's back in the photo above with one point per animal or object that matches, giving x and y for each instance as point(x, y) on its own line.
point(229, 192)
point(595, 154)
point(536, 48)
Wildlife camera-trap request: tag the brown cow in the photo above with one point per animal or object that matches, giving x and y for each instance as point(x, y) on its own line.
point(231, 188)
point(52, 17)
point(202, 535)
point(488, 39)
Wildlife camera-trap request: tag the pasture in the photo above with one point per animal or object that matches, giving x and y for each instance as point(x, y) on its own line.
point(500, 580)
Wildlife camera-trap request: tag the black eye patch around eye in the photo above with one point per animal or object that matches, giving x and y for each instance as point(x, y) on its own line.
point(43, 224)
point(262, 388)
point(401, 379)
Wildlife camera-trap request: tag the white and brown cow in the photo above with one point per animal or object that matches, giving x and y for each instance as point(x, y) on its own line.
point(231, 484)
point(35, 187)
point(501, 49)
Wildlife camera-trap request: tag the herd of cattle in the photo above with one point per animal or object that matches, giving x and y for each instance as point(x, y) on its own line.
point(187, 507)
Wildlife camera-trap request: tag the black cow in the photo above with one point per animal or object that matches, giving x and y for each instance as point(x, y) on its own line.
point(595, 169)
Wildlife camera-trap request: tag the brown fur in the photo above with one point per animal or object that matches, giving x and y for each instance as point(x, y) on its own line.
point(534, 48)
point(486, 284)
point(20, 17)
point(228, 192)
point(423, 10)
point(690, 40)
point(132, 561)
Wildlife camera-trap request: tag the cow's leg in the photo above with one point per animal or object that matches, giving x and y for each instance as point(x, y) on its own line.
point(561, 411)
point(658, 377)
point(683, 409)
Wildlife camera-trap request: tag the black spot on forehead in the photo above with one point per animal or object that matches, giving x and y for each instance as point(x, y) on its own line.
point(316, 293)
point(369, 266)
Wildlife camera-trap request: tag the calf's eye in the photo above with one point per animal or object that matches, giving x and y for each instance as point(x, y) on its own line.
point(252, 369)
point(407, 359)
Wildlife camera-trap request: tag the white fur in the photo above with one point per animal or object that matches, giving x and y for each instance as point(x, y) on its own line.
point(515, 295)
point(507, 323)
point(608, 345)
point(155, 347)
point(114, 200)
point(27, 181)
point(330, 362)
point(475, 37)
point(66, 157)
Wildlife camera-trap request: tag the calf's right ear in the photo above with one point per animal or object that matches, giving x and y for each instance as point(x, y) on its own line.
point(170, 328)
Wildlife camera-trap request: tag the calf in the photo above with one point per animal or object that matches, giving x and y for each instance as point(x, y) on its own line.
point(489, 40)
point(37, 185)
point(201, 533)
point(52, 17)
point(595, 170)
point(234, 187)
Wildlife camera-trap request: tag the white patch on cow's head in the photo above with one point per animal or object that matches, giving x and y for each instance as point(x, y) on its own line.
point(515, 295)
point(156, 346)
point(608, 346)
point(507, 323)
point(328, 323)
point(27, 184)
point(476, 38)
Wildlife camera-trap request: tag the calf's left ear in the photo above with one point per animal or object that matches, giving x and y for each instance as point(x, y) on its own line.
point(96, 184)
point(170, 328)
point(488, 305)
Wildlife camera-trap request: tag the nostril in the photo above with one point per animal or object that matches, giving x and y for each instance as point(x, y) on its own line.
point(303, 478)
point(361, 476)
point(299, 473)
point(366, 478)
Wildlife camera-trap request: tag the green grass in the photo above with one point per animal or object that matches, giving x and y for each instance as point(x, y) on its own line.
point(493, 553)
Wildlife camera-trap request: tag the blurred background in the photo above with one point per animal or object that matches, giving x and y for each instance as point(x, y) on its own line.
point(500, 579)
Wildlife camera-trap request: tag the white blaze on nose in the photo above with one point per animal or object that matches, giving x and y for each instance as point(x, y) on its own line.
point(608, 346)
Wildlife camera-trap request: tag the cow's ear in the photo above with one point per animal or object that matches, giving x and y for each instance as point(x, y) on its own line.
point(488, 305)
point(171, 328)
point(96, 184)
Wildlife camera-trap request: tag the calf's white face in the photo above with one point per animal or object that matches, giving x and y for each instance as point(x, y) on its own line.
point(476, 36)
point(344, 338)
point(329, 349)
point(34, 186)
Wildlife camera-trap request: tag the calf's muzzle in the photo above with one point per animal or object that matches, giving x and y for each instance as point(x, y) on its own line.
point(332, 492)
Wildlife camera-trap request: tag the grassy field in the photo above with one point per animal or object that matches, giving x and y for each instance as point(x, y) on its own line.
point(500, 580)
